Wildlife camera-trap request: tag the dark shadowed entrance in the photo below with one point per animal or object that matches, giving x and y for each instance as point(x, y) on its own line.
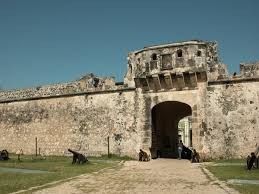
point(165, 119)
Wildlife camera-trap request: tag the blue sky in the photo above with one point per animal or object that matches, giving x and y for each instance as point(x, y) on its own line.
point(52, 41)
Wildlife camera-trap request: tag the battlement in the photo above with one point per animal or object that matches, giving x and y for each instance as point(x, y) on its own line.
point(249, 69)
point(88, 83)
point(176, 66)
point(184, 60)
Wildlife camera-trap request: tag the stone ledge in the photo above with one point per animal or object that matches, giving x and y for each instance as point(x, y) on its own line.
point(233, 81)
point(66, 95)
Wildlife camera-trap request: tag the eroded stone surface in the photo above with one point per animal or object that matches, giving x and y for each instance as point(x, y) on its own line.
point(81, 115)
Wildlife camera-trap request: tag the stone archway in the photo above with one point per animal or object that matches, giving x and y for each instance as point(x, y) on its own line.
point(165, 119)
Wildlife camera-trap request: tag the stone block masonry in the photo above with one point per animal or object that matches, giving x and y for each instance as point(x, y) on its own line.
point(231, 129)
point(88, 83)
point(79, 122)
point(163, 84)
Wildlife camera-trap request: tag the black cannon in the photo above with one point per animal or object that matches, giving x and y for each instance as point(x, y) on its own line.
point(77, 157)
point(4, 155)
point(143, 156)
point(252, 161)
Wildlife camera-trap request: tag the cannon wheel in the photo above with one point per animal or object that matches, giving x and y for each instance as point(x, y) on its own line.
point(5, 154)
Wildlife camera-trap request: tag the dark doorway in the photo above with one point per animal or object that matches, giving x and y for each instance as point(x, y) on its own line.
point(165, 119)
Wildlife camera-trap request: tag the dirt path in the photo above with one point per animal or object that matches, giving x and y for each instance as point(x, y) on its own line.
point(157, 176)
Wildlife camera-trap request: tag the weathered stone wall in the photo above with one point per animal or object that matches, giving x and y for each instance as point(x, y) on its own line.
point(83, 122)
point(41, 91)
point(249, 69)
point(224, 120)
point(81, 115)
point(185, 57)
point(188, 97)
point(88, 83)
point(231, 127)
point(194, 98)
point(80, 122)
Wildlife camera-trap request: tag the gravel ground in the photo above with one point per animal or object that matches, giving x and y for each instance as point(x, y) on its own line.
point(156, 176)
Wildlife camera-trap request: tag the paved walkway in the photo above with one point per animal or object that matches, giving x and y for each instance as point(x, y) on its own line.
point(156, 176)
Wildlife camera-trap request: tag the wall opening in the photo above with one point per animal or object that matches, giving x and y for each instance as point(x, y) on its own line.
point(130, 68)
point(179, 53)
point(185, 131)
point(166, 129)
point(199, 53)
point(154, 57)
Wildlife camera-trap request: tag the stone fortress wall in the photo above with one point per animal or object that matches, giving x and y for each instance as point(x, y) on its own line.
point(232, 117)
point(78, 122)
point(81, 115)
point(88, 83)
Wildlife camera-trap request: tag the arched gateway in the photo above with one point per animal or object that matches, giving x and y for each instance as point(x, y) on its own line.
point(173, 79)
point(165, 119)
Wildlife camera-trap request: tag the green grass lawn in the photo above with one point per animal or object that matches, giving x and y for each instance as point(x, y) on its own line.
point(59, 168)
point(233, 171)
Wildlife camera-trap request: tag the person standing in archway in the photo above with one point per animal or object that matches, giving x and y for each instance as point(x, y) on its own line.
point(180, 149)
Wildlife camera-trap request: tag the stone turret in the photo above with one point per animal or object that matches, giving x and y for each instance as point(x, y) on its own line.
point(176, 65)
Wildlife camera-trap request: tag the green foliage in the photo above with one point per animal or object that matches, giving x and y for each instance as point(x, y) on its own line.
point(235, 169)
point(234, 172)
point(247, 189)
point(58, 167)
point(230, 161)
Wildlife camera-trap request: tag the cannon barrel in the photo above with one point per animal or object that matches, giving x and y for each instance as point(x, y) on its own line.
point(73, 152)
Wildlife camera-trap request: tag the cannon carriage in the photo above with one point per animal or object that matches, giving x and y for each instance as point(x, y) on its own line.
point(4, 155)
